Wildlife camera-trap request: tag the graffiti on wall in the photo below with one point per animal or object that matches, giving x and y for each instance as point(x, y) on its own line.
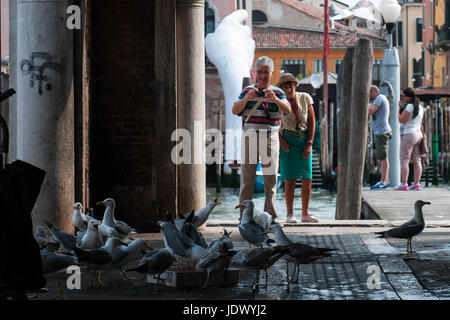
point(37, 67)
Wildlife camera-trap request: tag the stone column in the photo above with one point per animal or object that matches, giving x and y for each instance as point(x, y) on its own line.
point(45, 107)
point(12, 101)
point(390, 71)
point(191, 101)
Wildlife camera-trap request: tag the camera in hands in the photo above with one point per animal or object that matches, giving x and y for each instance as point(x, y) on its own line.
point(260, 93)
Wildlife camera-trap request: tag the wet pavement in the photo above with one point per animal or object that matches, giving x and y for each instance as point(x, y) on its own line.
point(363, 268)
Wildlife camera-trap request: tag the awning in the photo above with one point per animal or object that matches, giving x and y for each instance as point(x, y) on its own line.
point(432, 94)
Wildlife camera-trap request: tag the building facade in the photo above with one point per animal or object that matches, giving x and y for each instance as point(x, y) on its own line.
point(441, 63)
point(409, 41)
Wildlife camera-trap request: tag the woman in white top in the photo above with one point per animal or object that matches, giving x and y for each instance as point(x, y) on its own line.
point(410, 117)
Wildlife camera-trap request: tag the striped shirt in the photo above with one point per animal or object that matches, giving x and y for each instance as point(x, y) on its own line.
point(266, 116)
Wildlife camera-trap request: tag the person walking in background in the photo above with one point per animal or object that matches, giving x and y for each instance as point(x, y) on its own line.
point(296, 140)
point(379, 109)
point(260, 105)
point(410, 117)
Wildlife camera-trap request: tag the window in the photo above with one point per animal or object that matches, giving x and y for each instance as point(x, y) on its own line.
point(337, 64)
point(424, 17)
point(258, 17)
point(394, 37)
point(419, 29)
point(431, 15)
point(417, 72)
point(296, 67)
point(376, 71)
point(210, 21)
point(318, 65)
point(400, 33)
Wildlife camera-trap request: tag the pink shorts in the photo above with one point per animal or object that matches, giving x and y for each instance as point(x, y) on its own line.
point(409, 148)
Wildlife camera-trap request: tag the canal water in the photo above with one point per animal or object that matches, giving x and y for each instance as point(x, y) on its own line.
point(322, 204)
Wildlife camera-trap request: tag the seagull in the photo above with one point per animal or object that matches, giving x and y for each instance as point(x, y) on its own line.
point(108, 232)
point(86, 239)
point(91, 238)
point(191, 232)
point(408, 229)
point(79, 219)
point(155, 262)
point(45, 242)
point(223, 244)
point(260, 259)
point(97, 259)
point(298, 253)
point(109, 220)
point(264, 219)
point(124, 255)
point(214, 262)
point(56, 263)
point(182, 246)
point(135, 250)
point(249, 229)
point(53, 262)
point(202, 215)
point(67, 240)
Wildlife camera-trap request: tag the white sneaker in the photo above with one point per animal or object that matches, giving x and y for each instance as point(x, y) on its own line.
point(291, 219)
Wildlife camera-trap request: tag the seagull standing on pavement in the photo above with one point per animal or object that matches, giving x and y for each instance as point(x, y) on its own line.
point(91, 239)
point(297, 253)
point(56, 263)
point(109, 220)
point(97, 259)
point(155, 262)
point(249, 229)
point(79, 219)
point(214, 262)
point(223, 244)
point(260, 259)
point(408, 229)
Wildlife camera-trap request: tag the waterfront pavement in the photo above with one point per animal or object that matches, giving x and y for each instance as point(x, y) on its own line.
point(363, 268)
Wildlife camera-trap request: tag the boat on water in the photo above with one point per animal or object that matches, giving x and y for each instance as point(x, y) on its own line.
point(259, 181)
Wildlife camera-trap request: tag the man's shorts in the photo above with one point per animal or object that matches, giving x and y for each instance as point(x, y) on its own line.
point(381, 145)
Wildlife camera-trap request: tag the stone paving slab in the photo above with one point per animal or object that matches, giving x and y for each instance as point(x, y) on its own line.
point(347, 274)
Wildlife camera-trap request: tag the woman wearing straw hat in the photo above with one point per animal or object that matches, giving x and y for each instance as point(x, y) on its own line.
point(296, 139)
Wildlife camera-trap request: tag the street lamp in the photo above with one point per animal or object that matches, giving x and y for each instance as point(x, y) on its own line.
point(390, 86)
point(390, 11)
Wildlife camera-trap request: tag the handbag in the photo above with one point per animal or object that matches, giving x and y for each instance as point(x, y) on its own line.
point(423, 148)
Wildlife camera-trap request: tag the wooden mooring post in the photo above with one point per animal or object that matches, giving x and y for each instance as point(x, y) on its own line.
point(362, 79)
point(344, 90)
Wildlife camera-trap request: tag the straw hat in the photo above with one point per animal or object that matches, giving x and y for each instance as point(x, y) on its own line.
point(287, 77)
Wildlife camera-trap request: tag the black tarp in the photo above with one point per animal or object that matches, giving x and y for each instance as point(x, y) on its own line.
point(20, 260)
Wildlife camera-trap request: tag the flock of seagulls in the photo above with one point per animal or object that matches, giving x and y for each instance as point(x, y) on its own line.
point(107, 244)
point(97, 245)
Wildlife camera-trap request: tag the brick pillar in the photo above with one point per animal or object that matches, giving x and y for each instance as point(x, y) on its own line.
point(191, 101)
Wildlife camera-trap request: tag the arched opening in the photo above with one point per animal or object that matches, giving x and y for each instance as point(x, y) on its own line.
point(258, 17)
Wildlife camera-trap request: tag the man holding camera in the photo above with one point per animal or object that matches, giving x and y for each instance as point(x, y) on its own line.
point(259, 105)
